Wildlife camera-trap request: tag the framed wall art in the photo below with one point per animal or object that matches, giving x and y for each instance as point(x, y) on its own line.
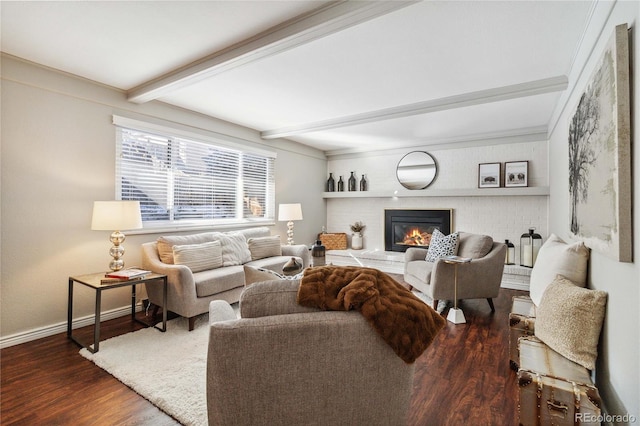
point(599, 155)
point(489, 175)
point(516, 173)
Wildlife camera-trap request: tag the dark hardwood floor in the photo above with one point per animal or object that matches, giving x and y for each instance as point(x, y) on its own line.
point(463, 378)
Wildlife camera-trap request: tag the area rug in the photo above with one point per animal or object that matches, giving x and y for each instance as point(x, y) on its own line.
point(168, 369)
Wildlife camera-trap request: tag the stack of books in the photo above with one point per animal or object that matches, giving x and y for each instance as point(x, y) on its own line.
point(124, 275)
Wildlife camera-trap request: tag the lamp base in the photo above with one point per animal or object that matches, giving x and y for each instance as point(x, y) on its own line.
point(456, 316)
point(116, 251)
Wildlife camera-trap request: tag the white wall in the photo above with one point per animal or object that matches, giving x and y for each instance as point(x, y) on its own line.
point(617, 371)
point(58, 156)
point(502, 217)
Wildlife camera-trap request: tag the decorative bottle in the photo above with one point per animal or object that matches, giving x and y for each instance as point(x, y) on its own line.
point(352, 182)
point(331, 183)
point(363, 184)
point(318, 254)
point(340, 184)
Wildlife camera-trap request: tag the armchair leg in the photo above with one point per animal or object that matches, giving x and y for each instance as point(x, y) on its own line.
point(192, 323)
point(490, 300)
point(435, 304)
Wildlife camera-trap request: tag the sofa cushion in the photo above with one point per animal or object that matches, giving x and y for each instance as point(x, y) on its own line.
point(235, 250)
point(557, 257)
point(254, 275)
point(165, 243)
point(442, 245)
point(214, 281)
point(198, 257)
point(474, 246)
point(569, 320)
point(262, 247)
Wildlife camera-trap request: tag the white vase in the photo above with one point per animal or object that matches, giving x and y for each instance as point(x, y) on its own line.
point(356, 241)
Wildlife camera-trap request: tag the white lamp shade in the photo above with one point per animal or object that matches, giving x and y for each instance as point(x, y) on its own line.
point(116, 215)
point(287, 212)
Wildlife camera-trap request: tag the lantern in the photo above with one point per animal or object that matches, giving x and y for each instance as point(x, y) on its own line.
point(510, 257)
point(530, 244)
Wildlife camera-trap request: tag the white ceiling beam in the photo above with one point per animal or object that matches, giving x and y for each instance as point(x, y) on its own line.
point(326, 20)
point(531, 88)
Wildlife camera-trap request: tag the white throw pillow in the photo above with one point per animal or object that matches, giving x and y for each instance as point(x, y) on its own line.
point(442, 245)
point(235, 250)
point(263, 247)
point(199, 257)
point(558, 258)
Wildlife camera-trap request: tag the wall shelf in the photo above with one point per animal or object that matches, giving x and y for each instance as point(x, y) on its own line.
point(471, 192)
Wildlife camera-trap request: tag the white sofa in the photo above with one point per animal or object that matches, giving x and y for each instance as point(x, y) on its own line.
point(189, 293)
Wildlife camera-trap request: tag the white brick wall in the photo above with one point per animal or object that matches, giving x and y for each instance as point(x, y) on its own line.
point(502, 217)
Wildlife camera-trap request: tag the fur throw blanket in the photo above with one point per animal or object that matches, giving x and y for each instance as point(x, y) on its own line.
point(405, 322)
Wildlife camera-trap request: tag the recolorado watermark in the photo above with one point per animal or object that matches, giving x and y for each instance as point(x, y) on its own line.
point(605, 418)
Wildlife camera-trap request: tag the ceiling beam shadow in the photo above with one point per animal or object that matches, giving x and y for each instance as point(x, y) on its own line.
point(520, 90)
point(328, 19)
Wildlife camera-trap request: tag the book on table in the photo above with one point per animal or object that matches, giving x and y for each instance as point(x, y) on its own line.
point(127, 274)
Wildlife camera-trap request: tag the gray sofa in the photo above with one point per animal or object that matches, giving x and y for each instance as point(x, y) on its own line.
point(189, 293)
point(480, 278)
point(285, 364)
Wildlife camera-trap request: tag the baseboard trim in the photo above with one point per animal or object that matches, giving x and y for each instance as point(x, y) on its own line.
point(40, 332)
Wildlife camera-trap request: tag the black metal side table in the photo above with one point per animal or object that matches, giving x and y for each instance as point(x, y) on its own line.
point(94, 281)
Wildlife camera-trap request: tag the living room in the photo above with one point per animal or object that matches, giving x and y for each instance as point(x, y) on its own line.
point(58, 157)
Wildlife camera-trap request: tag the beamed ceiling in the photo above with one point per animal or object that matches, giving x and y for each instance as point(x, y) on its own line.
point(343, 76)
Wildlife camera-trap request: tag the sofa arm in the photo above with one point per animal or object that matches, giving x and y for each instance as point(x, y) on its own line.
point(275, 297)
point(299, 250)
point(220, 310)
point(415, 253)
point(181, 286)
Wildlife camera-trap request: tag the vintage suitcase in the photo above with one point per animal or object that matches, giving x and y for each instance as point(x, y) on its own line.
point(554, 390)
point(521, 323)
point(334, 241)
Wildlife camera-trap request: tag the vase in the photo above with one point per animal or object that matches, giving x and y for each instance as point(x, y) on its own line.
point(352, 182)
point(331, 183)
point(340, 185)
point(363, 184)
point(318, 252)
point(356, 241)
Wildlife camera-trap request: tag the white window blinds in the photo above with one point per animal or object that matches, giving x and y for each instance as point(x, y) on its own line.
point(185, 182)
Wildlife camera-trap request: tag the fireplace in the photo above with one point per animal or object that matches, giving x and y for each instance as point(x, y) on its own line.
point(413, 228)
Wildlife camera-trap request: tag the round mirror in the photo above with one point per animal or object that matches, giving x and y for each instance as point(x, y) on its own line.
point(417, 170)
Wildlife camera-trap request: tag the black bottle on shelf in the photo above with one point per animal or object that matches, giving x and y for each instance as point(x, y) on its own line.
point(363, 184)
point(340, 185)
point(331, 183)
point(352, 182)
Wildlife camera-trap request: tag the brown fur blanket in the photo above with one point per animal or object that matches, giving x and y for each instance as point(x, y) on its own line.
point(405, 322)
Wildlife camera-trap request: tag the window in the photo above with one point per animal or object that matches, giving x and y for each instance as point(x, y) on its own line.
point(184, 182)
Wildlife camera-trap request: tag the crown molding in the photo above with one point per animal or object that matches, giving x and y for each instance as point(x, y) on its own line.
point(514, 91)
point(328, 19)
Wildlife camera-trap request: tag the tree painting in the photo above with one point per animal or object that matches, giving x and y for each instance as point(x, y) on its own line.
point(598, 143)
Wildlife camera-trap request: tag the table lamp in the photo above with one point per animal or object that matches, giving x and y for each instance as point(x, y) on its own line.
point(290, 212)
point(115, 216)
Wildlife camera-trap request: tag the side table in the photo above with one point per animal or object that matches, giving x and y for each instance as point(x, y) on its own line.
point(456, 315)
point(94, 281)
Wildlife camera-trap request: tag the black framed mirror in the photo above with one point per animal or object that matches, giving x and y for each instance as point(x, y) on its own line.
point(417, 170)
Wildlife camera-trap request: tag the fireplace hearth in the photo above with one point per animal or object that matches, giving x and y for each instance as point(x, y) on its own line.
point(413, 228)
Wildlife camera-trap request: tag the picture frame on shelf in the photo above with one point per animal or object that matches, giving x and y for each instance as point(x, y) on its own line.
point(516, 174)
point(489, 175)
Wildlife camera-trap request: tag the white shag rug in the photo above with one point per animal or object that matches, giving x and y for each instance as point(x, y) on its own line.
point(168, 369)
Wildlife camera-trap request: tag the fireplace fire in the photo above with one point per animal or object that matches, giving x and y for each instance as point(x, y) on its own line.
point(413, 228)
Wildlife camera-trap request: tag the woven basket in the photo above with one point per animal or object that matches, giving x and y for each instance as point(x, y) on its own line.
point(334, 241)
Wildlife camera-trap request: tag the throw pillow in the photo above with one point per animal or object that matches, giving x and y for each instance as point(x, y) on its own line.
point(235, 250)
point(165, 243)
point(263, 247)
point(569, 320)
point(254, 275)
point(442, 245)
point(557, 257)
point(474, 246)
point(199, 257)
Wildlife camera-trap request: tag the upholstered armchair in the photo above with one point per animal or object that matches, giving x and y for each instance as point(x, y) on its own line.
point(478, 279)
point(284, 364)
